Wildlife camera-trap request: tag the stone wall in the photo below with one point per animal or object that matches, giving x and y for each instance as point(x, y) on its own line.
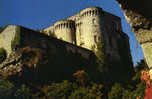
point(60, 60)
point(89, 26)
point(7, 36)
point(93, 24)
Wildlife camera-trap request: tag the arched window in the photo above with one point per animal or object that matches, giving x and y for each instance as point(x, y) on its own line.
point(93, 21)
point(90, 12)
point(93, 12)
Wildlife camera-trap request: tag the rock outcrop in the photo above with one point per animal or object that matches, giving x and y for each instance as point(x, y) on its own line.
point(138, 14)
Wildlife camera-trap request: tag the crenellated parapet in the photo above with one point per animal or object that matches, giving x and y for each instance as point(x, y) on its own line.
point(92, 11)
point(64, 24)
point(65, 30)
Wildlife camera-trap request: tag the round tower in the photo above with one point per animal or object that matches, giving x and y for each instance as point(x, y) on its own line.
point(90, 27)
point(65, 30)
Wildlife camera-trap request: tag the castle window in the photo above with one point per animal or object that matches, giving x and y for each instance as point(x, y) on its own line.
point(93, 12)
point(87, 13)
point(93, 21)
point(59, 26)
point(90, 13)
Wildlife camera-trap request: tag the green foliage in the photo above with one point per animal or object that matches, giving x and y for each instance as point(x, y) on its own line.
point(9, 91)
point(82, 93)
point(100, 55)
point(119, 92)
point(23, 93)
point(93, 92)
point(59, 90)
point(139, 91)
point(3, 54)
point(116, 91)
point(69, 90)
point(16, 41)
point(6, 89)
point(132, 89)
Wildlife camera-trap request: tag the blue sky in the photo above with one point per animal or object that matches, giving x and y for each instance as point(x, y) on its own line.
point(38, 14)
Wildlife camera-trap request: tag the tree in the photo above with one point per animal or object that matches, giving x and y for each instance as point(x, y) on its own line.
point(3, 55)
point(100, 53)
point(81, 77)
point(59, 90)
point(93, 92)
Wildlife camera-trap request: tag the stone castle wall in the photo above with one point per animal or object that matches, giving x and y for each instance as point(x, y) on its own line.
point(7, 36)
point(65, 30)
point(35, 39)
point(90, 25)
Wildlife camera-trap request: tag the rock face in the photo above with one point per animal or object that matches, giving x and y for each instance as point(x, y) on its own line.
point(138, 14)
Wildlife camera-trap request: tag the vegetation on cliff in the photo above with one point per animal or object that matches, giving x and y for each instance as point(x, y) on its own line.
point(2, 54)
point(101, 59)
point(80, 88)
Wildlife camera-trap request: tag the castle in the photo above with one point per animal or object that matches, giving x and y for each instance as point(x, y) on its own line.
point(78, 35)
point(86, 28)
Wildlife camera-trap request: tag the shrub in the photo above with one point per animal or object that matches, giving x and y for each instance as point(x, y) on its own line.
point(59, 90)
point(23, 93)
point(6, 89)
point(116, 92)
point(100, 55)
point(2, 55)
point(93, 92)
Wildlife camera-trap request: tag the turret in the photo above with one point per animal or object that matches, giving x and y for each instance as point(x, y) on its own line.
point(65, 30)
point(90, 26)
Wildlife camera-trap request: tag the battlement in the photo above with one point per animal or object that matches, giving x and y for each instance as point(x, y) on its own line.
point(91, 11)
point(64, 24)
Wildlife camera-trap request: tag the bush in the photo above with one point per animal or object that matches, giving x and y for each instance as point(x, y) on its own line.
point(23, 93)
point(116, 92)
point(93, 92)
point(6, 89)
point(100, 56)
point(9, 91)
point(3, 55)
point(59, 90)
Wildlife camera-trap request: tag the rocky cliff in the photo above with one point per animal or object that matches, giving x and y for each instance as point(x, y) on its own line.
point(138, 14)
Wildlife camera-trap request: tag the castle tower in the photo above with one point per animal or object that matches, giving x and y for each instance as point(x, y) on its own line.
point(65, 30)
point(88, 29)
